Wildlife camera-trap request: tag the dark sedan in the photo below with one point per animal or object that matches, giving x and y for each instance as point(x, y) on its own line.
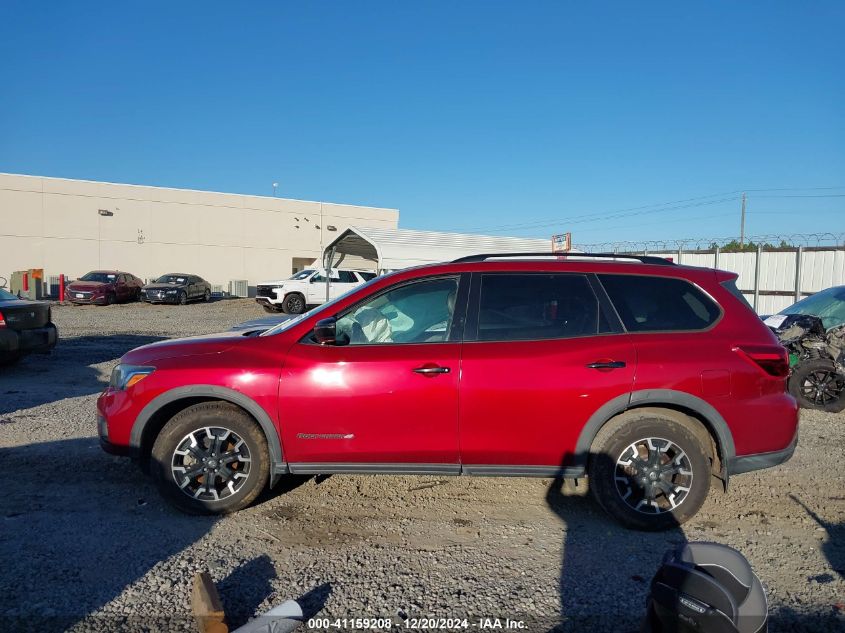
point(25, 327)
point(176, 288)
point(104, 287)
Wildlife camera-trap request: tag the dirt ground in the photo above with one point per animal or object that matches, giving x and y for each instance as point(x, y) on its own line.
point(87, 544)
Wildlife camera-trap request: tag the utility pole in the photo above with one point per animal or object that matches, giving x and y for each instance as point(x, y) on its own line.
point(742, 223)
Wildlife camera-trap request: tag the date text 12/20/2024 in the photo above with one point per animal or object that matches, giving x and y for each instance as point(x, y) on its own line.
point(421, 624)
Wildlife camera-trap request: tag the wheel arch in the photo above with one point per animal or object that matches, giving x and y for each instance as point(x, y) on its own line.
point(155, 415)
point(668, 399)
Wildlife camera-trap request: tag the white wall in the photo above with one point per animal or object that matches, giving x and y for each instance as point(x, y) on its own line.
point(54, 224)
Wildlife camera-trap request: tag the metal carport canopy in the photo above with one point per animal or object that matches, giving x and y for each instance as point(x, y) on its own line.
point(393, 249)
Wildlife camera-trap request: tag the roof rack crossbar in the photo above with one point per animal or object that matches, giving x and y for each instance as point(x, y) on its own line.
point(645, 259)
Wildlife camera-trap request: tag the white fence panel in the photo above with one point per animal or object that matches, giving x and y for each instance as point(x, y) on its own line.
point(707, 260)
point(777, 270)
point(822, 269)
point(742, 264)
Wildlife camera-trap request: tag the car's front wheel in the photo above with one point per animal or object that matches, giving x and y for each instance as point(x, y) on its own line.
point(210, 458)
point(650, 471)
point(293, 304)
point(182, 297)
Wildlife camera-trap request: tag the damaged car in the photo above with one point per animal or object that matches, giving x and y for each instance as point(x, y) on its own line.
point(813, 331)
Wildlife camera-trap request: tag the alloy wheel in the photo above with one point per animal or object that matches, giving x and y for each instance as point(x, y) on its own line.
point(653, 475)
point(211, 463)
point(823, 387)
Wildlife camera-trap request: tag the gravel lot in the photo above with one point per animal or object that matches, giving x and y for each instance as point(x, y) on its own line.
point(87, 544)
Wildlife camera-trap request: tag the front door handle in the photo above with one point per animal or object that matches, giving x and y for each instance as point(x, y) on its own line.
point(607, 364)
point(430, 371)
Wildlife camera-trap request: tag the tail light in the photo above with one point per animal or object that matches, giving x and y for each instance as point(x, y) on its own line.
point(2, 320)
point(772, 359)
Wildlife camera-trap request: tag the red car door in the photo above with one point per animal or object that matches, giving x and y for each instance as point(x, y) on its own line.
point(541, 354)
point(386, 398)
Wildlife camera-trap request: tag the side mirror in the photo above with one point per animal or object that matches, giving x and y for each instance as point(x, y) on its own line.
point(325, 331)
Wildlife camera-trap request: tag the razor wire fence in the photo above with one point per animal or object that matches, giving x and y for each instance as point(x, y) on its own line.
point(725, 244)
point(773, 271)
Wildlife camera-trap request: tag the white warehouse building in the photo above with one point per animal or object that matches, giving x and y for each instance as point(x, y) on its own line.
point(72, 226)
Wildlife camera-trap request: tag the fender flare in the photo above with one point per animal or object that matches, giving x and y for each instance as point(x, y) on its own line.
point(274, 446)
point(657, 397)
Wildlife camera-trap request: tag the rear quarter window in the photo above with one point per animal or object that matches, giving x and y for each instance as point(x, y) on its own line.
point(660, 304)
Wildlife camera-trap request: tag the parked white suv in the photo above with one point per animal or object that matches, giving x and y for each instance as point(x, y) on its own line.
point(306, 288)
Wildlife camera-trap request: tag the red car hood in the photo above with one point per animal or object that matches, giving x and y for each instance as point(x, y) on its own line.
point(192, 346)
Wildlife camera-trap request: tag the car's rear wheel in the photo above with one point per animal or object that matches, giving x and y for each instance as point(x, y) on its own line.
point(650, 471)
point(211, 458)
point(293, 304)
point(207, 296)
point(816, 384)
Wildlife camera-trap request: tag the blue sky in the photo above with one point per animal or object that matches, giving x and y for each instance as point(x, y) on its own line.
point(523, 118)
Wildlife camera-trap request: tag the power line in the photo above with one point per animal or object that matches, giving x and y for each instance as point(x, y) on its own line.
point(663, 207)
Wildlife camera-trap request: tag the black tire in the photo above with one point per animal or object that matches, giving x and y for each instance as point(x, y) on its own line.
point(110, 299)
point(182, 298)
point(207, 296)
point(200, 419)
point(10, 358)
point(627, 499)
point(816, 384)
point(294, 303)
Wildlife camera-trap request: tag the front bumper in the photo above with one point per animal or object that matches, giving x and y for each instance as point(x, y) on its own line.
point(36, 340)
point(163, 299)
point(747, 463)
point(96, 300)
point(105, 444)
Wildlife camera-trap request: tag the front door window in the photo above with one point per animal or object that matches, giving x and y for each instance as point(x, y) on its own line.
point(415, 313)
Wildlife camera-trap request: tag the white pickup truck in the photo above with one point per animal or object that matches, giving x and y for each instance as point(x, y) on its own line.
point(306, 288)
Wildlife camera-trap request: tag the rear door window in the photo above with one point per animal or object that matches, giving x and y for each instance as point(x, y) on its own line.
point(660, 304)
point(521, 307)
point(347, 277)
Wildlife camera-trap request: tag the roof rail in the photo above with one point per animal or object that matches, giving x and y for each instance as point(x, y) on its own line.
point(645, 259)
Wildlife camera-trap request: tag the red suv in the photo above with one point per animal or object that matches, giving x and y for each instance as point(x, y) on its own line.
point(646, 376)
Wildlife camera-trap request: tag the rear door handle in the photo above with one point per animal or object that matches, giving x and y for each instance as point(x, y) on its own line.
point(607, 364)
point(429, 371)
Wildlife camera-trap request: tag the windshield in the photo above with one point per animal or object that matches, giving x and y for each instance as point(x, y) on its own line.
point(6, 296)
point(104, 278)
point(302, 274)
point(828, 305)
point(284, 325)
point(171, 279)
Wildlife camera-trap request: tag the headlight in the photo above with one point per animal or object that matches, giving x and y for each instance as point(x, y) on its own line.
point(124, 376)
point(171, 292)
